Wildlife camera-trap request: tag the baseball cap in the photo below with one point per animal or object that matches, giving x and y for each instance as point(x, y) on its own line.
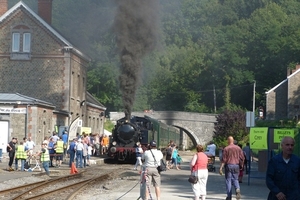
point(153, 143)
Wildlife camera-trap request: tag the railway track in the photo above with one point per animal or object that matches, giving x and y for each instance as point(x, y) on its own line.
point(19, 191)
point(66, 187)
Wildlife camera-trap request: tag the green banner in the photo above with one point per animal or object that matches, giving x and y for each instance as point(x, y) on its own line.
point(259, 138)
point(280, 133)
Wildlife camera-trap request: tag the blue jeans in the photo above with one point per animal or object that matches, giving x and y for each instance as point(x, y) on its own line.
point(72, 156)
point(46, 167)
point(22, 164)
point(79, 158)
point(231, 177)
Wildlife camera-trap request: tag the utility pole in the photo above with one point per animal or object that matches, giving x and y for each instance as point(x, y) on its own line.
point(215, 100)
point(254, 97)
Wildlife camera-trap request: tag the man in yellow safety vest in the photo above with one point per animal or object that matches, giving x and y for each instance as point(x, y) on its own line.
point(45, 158)
point(59, 150)
point(20, 155)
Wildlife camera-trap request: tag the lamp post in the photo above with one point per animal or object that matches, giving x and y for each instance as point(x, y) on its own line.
point(254, 97)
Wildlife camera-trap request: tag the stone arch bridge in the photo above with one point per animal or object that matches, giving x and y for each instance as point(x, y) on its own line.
point(198, 127)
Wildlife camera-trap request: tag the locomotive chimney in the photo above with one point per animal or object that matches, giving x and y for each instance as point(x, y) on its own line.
point(3, 7)
point(45, 10)
point(127, 116)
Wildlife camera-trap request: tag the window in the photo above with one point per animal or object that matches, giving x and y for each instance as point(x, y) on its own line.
point(20, 43)
point(16, 42)
point(26, 42)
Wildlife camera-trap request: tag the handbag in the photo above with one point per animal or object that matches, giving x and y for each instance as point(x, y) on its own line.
point(162, 166)
point(193, 179)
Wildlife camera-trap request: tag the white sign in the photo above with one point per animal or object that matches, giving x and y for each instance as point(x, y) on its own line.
point(13, 110)
point(250, 119)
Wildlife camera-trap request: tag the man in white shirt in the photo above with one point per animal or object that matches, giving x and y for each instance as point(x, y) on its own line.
point(79, 153)
point(152, 158)
point(211, 149)
point(29, 145)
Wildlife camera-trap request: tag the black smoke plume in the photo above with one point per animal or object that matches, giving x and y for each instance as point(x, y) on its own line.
point(135, 24)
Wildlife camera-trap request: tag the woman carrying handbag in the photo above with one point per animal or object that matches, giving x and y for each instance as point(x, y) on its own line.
point(199, 169)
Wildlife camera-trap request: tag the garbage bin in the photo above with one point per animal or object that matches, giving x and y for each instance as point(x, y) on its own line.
point(0, 155)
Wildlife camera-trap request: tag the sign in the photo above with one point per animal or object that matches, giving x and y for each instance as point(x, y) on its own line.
point(86, 130)
point(259, 138)
point(250, 119)
point(281, 133)
point(13, 110)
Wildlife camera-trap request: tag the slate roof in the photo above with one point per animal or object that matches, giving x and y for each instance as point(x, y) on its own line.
point(68, 45)
point(92, 101)
point(16, 98)
point(282, 82)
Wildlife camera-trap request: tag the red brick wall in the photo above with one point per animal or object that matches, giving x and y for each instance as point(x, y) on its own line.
point(45, 10)
point(3, 6)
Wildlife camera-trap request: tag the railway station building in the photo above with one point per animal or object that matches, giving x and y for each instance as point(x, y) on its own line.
point(43, 77)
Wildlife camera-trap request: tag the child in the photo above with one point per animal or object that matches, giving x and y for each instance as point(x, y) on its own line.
point(179, 160)
point(90, 149)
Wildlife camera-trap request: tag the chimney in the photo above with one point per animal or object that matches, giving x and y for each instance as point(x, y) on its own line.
point(3, 6)
point(45, 10)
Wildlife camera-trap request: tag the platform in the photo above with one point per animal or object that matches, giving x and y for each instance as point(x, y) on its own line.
point(176, 187)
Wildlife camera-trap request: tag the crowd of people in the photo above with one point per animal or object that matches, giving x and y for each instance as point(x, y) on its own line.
point(282, 176)
point(54, 149)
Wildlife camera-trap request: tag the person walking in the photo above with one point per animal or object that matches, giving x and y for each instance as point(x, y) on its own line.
point(174, 157)
point(283, 173)
point(20, 155)
point(79, 153)
point(71, 151)
point(11, 149)
point(138, 154)
point(45, 158)
point(248, 152)
point(152, 158)
point(232, 155)
point(64, 138)
point(84, 152)
point(199, 168)
point(169, 151)
point(51, 151)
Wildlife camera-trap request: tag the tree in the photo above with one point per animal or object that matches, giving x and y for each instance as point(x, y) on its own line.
point(231, 123)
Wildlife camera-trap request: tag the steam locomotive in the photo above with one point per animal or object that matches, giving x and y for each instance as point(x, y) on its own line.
point(128, 133)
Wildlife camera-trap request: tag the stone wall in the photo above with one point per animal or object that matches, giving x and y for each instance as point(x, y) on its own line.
point(293, 96)
point(276, 107)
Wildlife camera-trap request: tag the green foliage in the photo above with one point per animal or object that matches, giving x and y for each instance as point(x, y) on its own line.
point(108, 125)
point(203, 45)
point(231, 123)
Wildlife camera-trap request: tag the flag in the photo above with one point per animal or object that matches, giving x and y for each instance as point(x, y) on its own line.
point(73, 129)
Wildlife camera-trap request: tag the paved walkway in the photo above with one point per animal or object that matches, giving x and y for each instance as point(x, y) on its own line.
point(176, 187)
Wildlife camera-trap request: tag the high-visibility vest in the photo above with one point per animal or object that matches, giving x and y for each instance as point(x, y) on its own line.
point(45, 156)
point(21, 154)
point(59, 147)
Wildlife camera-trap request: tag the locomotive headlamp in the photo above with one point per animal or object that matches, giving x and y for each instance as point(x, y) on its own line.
point(114, 143)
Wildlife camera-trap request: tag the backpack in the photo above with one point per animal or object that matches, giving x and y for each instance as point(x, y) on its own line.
point(26, 165)
point(162, 167)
